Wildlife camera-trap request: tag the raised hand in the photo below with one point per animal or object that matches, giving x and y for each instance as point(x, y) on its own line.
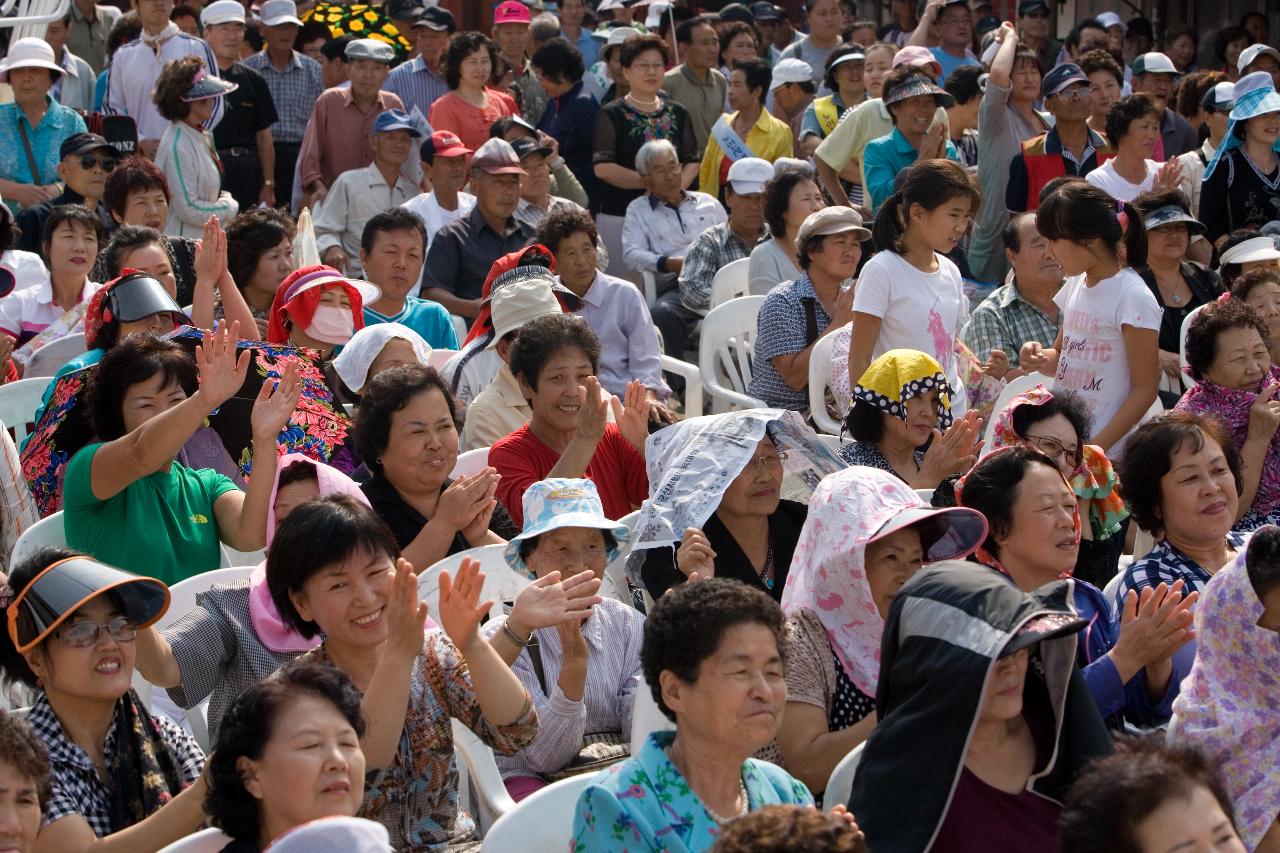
point(221, 371)
point(1264, 414)
point(466, 498)
point(595, 410)
point(1170, 174)
point(276, 403)
point(695, 557)
point(549, 601)
point(211, 252)
point(952, 452)
point(460, 606)
point(632, 415)
point(405, 615)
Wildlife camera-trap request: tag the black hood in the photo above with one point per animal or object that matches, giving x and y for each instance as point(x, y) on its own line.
point(946, 629)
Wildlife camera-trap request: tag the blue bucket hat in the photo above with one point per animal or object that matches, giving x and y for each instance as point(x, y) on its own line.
point(562, 502)
point(1255, 95)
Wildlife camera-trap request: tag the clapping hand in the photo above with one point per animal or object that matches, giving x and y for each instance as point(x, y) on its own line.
point(211, 253)
point(549, 601)
point(1154, 623)
point(276, 403)
point(632, 415)
point(1170, 175)
point(460, 607)
point(405, 614)
point(221, 371)
point(595, 407)
point(466, 498)
point(952, 452)
point(1032, 357)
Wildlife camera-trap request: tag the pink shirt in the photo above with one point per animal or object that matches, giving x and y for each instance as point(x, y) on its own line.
point(344, 130)
point(471, 123)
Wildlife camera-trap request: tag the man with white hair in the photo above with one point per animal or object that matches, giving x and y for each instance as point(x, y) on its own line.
point(660, 225)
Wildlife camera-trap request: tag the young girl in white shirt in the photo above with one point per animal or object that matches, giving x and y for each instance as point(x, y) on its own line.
point(1107, 350)
point(909, 295)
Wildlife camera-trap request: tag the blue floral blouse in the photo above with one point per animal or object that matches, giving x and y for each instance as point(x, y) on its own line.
point(645, 804)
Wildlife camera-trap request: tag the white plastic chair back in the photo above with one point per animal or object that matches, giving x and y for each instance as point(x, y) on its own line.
point(1013, 389)
point(840, 783)
point(205, 841)
point(541, 821)
point(725, 351)
point(692, 383)
point(460, 327)
point(19, 402)
point(926, 495)
point(615, 574)
point(440, 357)
point(1182, 344)
point(478, 760)
point(819, 382)
point(501, 582)
point(470, 462)
point(47, 532)
point(832, 441)
point(51, 357)
point(646, 716)
point(232, 558)
point(730, 282)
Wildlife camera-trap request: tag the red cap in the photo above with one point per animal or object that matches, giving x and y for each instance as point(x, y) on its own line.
point(443, 143)
point(511, 12)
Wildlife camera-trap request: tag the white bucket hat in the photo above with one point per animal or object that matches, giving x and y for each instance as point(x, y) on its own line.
point(29, 52)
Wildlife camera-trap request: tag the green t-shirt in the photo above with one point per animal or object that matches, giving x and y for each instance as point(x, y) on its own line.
point(161, 526)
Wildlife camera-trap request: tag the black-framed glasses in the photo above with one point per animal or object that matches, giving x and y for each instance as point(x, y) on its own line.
point(82, 634)
point(1055, 449)
point(108, 164)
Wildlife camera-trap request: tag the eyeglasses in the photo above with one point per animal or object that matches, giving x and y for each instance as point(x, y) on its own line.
point(1053, 448)
point(768, 461)
point(83, 634)
point(88, 161)
point(648, 67)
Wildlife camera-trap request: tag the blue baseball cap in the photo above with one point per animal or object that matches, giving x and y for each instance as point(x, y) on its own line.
point(395, 120)
point(1060, 77)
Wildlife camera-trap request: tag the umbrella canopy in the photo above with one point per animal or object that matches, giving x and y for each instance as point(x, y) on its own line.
point(363, 21)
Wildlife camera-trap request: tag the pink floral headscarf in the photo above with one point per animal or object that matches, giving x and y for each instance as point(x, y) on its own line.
point(1228, 703)
point(828, 570)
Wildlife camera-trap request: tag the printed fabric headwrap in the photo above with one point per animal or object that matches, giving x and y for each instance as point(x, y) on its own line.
point(692, 462)
point(1228, 704)
point(299, 305)
point(1255, 95)
point(1231, 407)
point(1094, 482)
point(899, 375)
point(93, 321)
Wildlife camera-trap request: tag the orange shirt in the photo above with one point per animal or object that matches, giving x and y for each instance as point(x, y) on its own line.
point(471, 123)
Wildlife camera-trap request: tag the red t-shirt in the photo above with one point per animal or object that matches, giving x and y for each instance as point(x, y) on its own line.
point(616, 468)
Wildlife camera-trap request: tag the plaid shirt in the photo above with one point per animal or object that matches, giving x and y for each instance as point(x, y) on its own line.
point(294, 91)
point(1166, 564)
point(416, 84)
point(713, 248)
point(77, 788)
point(1006, 321)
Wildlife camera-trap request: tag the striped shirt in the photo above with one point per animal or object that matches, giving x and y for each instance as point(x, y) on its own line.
point(1166, 564)
point(416, 84)
point(294, 90)
point(613, 635)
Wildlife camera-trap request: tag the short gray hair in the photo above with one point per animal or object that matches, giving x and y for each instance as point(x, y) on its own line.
point(544, 28)
point(650, 151)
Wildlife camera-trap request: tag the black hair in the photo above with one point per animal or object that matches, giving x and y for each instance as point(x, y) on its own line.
point(1245, 284)
point(732, 31)
point(1262, 561)
point(1078, 211)
point(392, 219)
point(460, 47)
point(1230, 272)
point(132, 174)
point(829, 71)
point(384, 395)
point(250, 235)
point(991, 487)
point(543, 337)
point(562, 223)
point(528, 546)
point(318, 534)
point(559, 61)
point(1011, 234)
point(864, 422)
point(1201, 346)
point(182, 11)
point(1226, 36)
point(684, 32)
point(124, 240)
point(1148, 456)
point(1072, 41)
point(928, 183)
point(296, 472)
point(1125, 111)
point(1065, 403)
point(964, 84)
point(1055, 184)
point(1115, 794)
point(758, 74)
point(248, 726)
point(636, 45)
point(14, 666)
point(499, 128)
point(126, 28)
point(336, 48)
point(310, 31)
point(777, 198)
point(23, 750)
point(69, 213)
point(135, 359)
point(688, 623)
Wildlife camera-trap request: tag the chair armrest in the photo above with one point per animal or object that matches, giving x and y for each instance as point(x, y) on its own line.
point(483, 769)
point(650, 287)
point(692, 383)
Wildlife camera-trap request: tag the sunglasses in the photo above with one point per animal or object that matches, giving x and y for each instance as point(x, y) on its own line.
point(88, 161)
point(84, 634)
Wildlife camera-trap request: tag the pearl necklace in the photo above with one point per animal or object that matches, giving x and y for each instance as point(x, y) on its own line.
point(652, 105)
point(746, 805)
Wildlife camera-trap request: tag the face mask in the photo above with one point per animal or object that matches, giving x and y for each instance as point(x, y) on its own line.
point(332, 325)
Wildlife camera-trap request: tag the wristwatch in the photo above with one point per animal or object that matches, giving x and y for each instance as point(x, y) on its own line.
point(268, 183)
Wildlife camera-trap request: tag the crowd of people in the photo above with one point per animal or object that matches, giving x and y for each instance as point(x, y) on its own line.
point(338, 296)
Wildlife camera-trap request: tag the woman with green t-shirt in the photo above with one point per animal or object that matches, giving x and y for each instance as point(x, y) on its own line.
point(127, 501)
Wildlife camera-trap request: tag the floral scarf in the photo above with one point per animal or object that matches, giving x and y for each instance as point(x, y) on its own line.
point(1231, 406)
point(1094, 482)
point(143, 773)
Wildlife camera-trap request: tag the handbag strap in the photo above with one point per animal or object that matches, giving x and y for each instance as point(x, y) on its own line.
point(31, 157)
point(535, 657)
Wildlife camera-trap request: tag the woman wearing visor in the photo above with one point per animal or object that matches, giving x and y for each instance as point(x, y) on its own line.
point(186, 95)
point(122, 779)
point(317, 307)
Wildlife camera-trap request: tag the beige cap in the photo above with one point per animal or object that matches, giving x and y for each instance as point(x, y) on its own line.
point(832, 220)
point(519, 302)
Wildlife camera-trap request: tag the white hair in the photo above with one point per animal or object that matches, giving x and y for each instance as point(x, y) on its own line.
point(650, 151)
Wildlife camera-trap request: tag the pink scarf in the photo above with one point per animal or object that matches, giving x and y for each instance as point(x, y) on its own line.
point(268, 625)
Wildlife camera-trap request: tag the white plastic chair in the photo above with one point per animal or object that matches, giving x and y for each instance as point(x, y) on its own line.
point(470, 462)
point(482, 768)
point(840, 783)
point(1013, 389)
point(232, 558)
point(615, 574)
point(819, 382)
point(460, 327)
point(19, 401)
point(725, 351)
point(926, 495)
point(50, 358)
point(501, 582)
point(692, 383)
point(47, 532)
point(205, 841)
point(646, 716)
point(541, 821)
point(649, 287)
point(831, 441)
point(730, 282)
point(1187, 381)
point(440, 357)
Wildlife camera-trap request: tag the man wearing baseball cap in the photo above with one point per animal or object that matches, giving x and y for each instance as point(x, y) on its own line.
point(420, 81)
point(1070, 147)
point(444, 159)
point(511, 35)
point(360, 193)
point(85, 160)
point(790, 93)
point(243, 137)
point(1154, 75)
point(463, 251)
point(1260, 57)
